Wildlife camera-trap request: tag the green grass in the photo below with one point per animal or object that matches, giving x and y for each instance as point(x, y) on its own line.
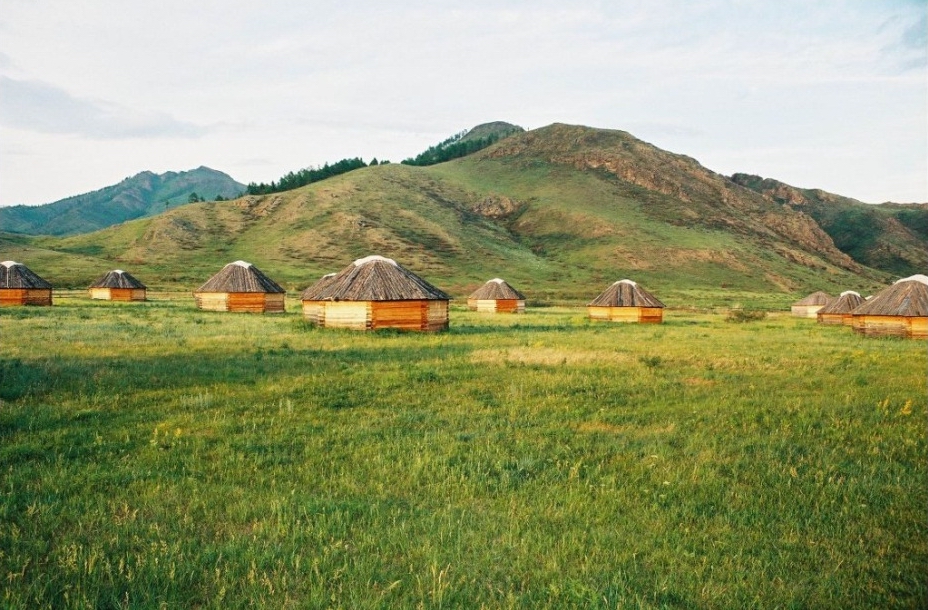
point(154, 455)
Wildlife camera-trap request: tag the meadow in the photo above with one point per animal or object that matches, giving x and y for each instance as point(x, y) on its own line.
point(153, 455)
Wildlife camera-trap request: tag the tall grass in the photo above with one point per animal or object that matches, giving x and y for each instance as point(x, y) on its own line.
point(153, 454)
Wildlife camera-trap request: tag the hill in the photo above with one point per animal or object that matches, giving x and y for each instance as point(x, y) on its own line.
point(888, 236)
point(144, 194)
point(465, 143)
point(559, 211)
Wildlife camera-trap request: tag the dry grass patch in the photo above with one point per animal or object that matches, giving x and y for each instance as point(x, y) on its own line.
point(546, 356)
point(638, 432)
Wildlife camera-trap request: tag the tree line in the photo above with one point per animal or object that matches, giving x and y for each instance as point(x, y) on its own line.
point(308, 175)
point(452, 148)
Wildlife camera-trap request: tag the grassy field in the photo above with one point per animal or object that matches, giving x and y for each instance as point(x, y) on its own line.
point(152, 455)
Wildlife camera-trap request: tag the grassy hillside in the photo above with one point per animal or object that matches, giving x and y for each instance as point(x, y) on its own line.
point(888, 236)
point(144, 194)
point(156, 455)
point(561, 212)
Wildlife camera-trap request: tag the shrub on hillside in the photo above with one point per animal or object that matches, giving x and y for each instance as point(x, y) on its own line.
point(745, 315)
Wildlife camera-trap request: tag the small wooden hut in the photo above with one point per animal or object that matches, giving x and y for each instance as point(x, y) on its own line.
point(118, 285)
point(377, 292)
point(808, 307)
point(900, 310)
point(497, 296)
point(20, 286)
point(626, 301)
point(838, 311)
point(313, 309)
point(240, 286)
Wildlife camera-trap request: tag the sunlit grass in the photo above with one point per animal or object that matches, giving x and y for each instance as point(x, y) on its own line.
point(156, 454)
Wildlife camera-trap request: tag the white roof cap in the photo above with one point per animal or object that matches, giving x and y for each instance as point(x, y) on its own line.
point(497, 280)
point(918, 277)
point(373, 258)
point(9, 264)
point(626, 282)
point(119, 271)
point(849, 292)
point(241, 264)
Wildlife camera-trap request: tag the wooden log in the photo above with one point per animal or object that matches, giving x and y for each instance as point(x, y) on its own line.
point(10, 297)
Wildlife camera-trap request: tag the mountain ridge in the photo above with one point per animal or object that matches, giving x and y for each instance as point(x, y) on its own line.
point(143, 194)
point(560, 211)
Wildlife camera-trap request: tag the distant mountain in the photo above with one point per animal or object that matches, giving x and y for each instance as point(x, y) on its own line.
point(144, 194)
point(888, 236)
point(560, 212)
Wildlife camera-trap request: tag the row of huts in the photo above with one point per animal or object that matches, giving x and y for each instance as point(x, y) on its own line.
point(898, 310)
point(377, 292)
point(19, 285)
point(371, 293)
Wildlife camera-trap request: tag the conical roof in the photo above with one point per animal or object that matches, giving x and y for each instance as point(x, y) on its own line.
point(847, 302)
point(307, 294)
point(18, 276)
point(907, 297)
point(497, 289)
point(240, 277)
point(374, 278)
point(626, 293)
point(118, 279)
point(816, 298)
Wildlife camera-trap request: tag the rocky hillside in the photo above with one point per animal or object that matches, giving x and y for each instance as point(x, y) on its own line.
point(889, 236)
point(673, 188)
point(144, 194)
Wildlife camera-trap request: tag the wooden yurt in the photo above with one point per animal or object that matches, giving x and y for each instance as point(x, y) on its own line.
point(808, 307)
point(626, 301)
point(313, 309)
point(497, 296)
point(377, 292)
point(900, 310)
point(838, 311)
point(20, 286)
point(118, 285)
point(240, 286)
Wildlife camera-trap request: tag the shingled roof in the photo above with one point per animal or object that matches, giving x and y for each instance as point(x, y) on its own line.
point(845, 303)
point(497, 289)
point(315, 288)
point(240, 277)
point(118, 279)
point(626, 293)
point(816, 298)
point(374, 278)
point(18, 276)
point(907, 297)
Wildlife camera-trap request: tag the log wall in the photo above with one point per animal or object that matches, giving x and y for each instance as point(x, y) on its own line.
point(437, 316)
point(373, 315)
point(496, 305)
point(118, 294)
point(314, 311)
point(212, 301)
point(646, 315)
point(248, 302)
point(10, 297)
point(891, 326)
point(355, 315)
point(805, 311)
point(833, 318)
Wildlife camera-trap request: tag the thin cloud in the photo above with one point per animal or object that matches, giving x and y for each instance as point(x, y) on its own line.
point(37, 106)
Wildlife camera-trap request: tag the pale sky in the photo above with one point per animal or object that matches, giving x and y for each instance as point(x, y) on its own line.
point(823, 94)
